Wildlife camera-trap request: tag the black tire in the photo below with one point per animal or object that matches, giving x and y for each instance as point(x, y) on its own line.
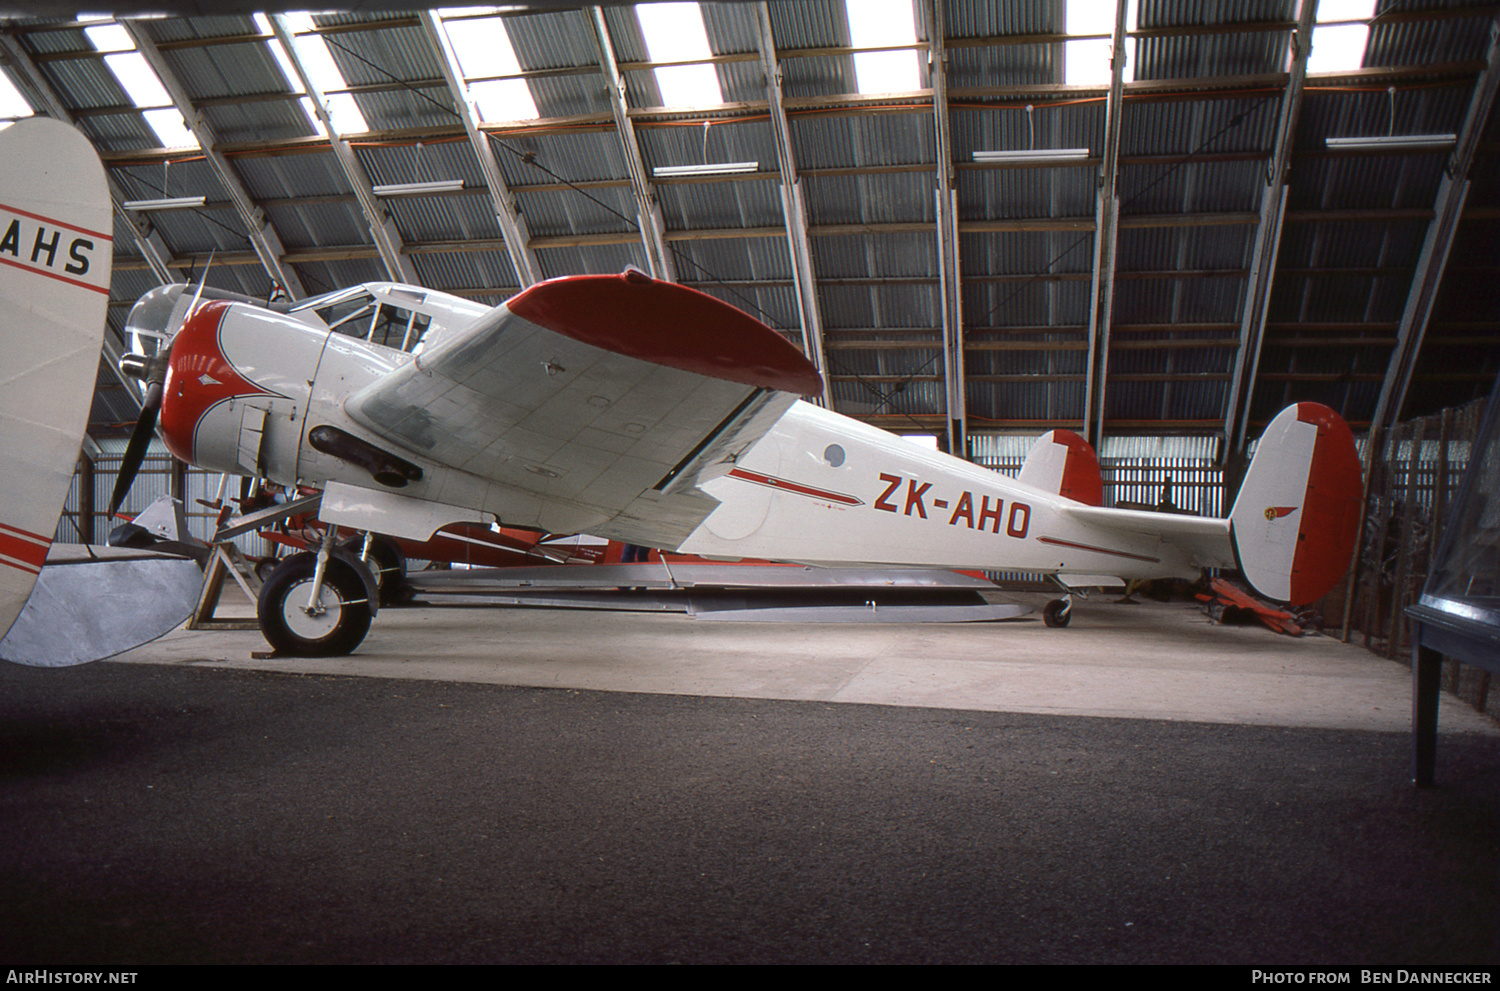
point(1057, 613)
point(387, 564)
point(283, 603)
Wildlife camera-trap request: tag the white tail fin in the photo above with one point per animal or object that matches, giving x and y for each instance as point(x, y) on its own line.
point(54, 291)
point(1296, 520)
point(1062, 462)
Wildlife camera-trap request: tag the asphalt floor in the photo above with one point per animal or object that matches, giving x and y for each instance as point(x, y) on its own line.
point(189, 806)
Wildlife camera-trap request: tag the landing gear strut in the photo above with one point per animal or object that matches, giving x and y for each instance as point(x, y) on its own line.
point(317, 605)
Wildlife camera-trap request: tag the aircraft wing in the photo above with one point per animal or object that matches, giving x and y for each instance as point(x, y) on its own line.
point(609, 397)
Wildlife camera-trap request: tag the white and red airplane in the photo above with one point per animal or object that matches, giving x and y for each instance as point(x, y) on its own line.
point(655, 414)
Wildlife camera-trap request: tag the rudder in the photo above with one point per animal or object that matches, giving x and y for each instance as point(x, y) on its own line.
point(1296, 520)
point(54, 289)
point(1062, 462)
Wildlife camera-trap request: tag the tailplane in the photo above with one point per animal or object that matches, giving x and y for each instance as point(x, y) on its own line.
point(1296, 520)
point(1062, 462)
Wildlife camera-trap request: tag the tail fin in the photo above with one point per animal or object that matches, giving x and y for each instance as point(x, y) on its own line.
point(1061, 461)
point(1296, 520)
point(54, 289)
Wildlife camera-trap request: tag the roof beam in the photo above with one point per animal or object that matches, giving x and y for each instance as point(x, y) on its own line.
point(382, 229)
point(1267, 244)
point(794, 209)
point(502, 201)
point(1440, 232)
point(1107, 213)
point(155, 251)
point(950, 298)
point(258, 229)
point(648, 214)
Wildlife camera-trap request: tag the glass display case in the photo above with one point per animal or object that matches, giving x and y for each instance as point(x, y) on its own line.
point(1458, 613)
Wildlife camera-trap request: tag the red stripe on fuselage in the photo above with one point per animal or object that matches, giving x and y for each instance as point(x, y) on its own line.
point(1098, 550)
point(783, 485)
point(199, 377)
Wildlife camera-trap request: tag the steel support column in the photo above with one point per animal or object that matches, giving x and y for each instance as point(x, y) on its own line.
point(1267, 244)
point(653, 239)
point(793, 209)
point(949, 276)
point(258, 230)
point(1440, 233)
point(382, 230)
point(1107, 215)
point(502, 201)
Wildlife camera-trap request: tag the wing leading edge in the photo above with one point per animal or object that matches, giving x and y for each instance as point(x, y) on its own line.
point(614, 395)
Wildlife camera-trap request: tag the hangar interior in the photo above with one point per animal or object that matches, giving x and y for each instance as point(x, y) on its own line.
point(975, 222)
point(978, 226)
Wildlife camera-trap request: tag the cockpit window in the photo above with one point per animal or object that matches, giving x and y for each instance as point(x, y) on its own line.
point(394, 327)
point(370, 317)
point(390, 315)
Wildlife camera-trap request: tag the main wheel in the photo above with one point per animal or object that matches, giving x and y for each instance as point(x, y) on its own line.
point(336, 626)
point(1057, 613)
point(387, 564)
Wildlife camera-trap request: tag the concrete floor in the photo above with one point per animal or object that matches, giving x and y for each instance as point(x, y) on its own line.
point(1147, 660)
point(549, 786)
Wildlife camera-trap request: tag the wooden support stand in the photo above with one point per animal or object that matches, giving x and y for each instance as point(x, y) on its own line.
point(226, 561)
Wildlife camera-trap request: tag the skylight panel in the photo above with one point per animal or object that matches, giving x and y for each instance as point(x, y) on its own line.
point(1087, 63)
point(1339, 47)
point(139, 81)
point(483, 50)
point(13, 105)
point(323, 72)
point(881, 24)
point(290, 72)
point(674, 32)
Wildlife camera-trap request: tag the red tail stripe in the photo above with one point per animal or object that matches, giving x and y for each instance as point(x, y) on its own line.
point(22, 549)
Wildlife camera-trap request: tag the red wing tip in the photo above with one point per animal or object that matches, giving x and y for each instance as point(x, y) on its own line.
point(667, 324)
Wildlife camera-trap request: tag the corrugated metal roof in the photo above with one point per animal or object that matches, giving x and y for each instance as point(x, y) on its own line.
point(1190, 184)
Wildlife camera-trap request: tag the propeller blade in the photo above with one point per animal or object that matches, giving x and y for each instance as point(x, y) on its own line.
point(135, 451)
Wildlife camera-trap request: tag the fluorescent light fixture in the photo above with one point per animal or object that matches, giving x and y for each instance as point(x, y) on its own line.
point(1033, 156)
point(419, 188)
point(170, 203)
point(1394, 142)
point(718, 168)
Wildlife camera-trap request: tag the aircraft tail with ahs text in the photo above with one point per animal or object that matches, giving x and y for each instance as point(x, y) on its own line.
point(54, 291)
point(1296, 521)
